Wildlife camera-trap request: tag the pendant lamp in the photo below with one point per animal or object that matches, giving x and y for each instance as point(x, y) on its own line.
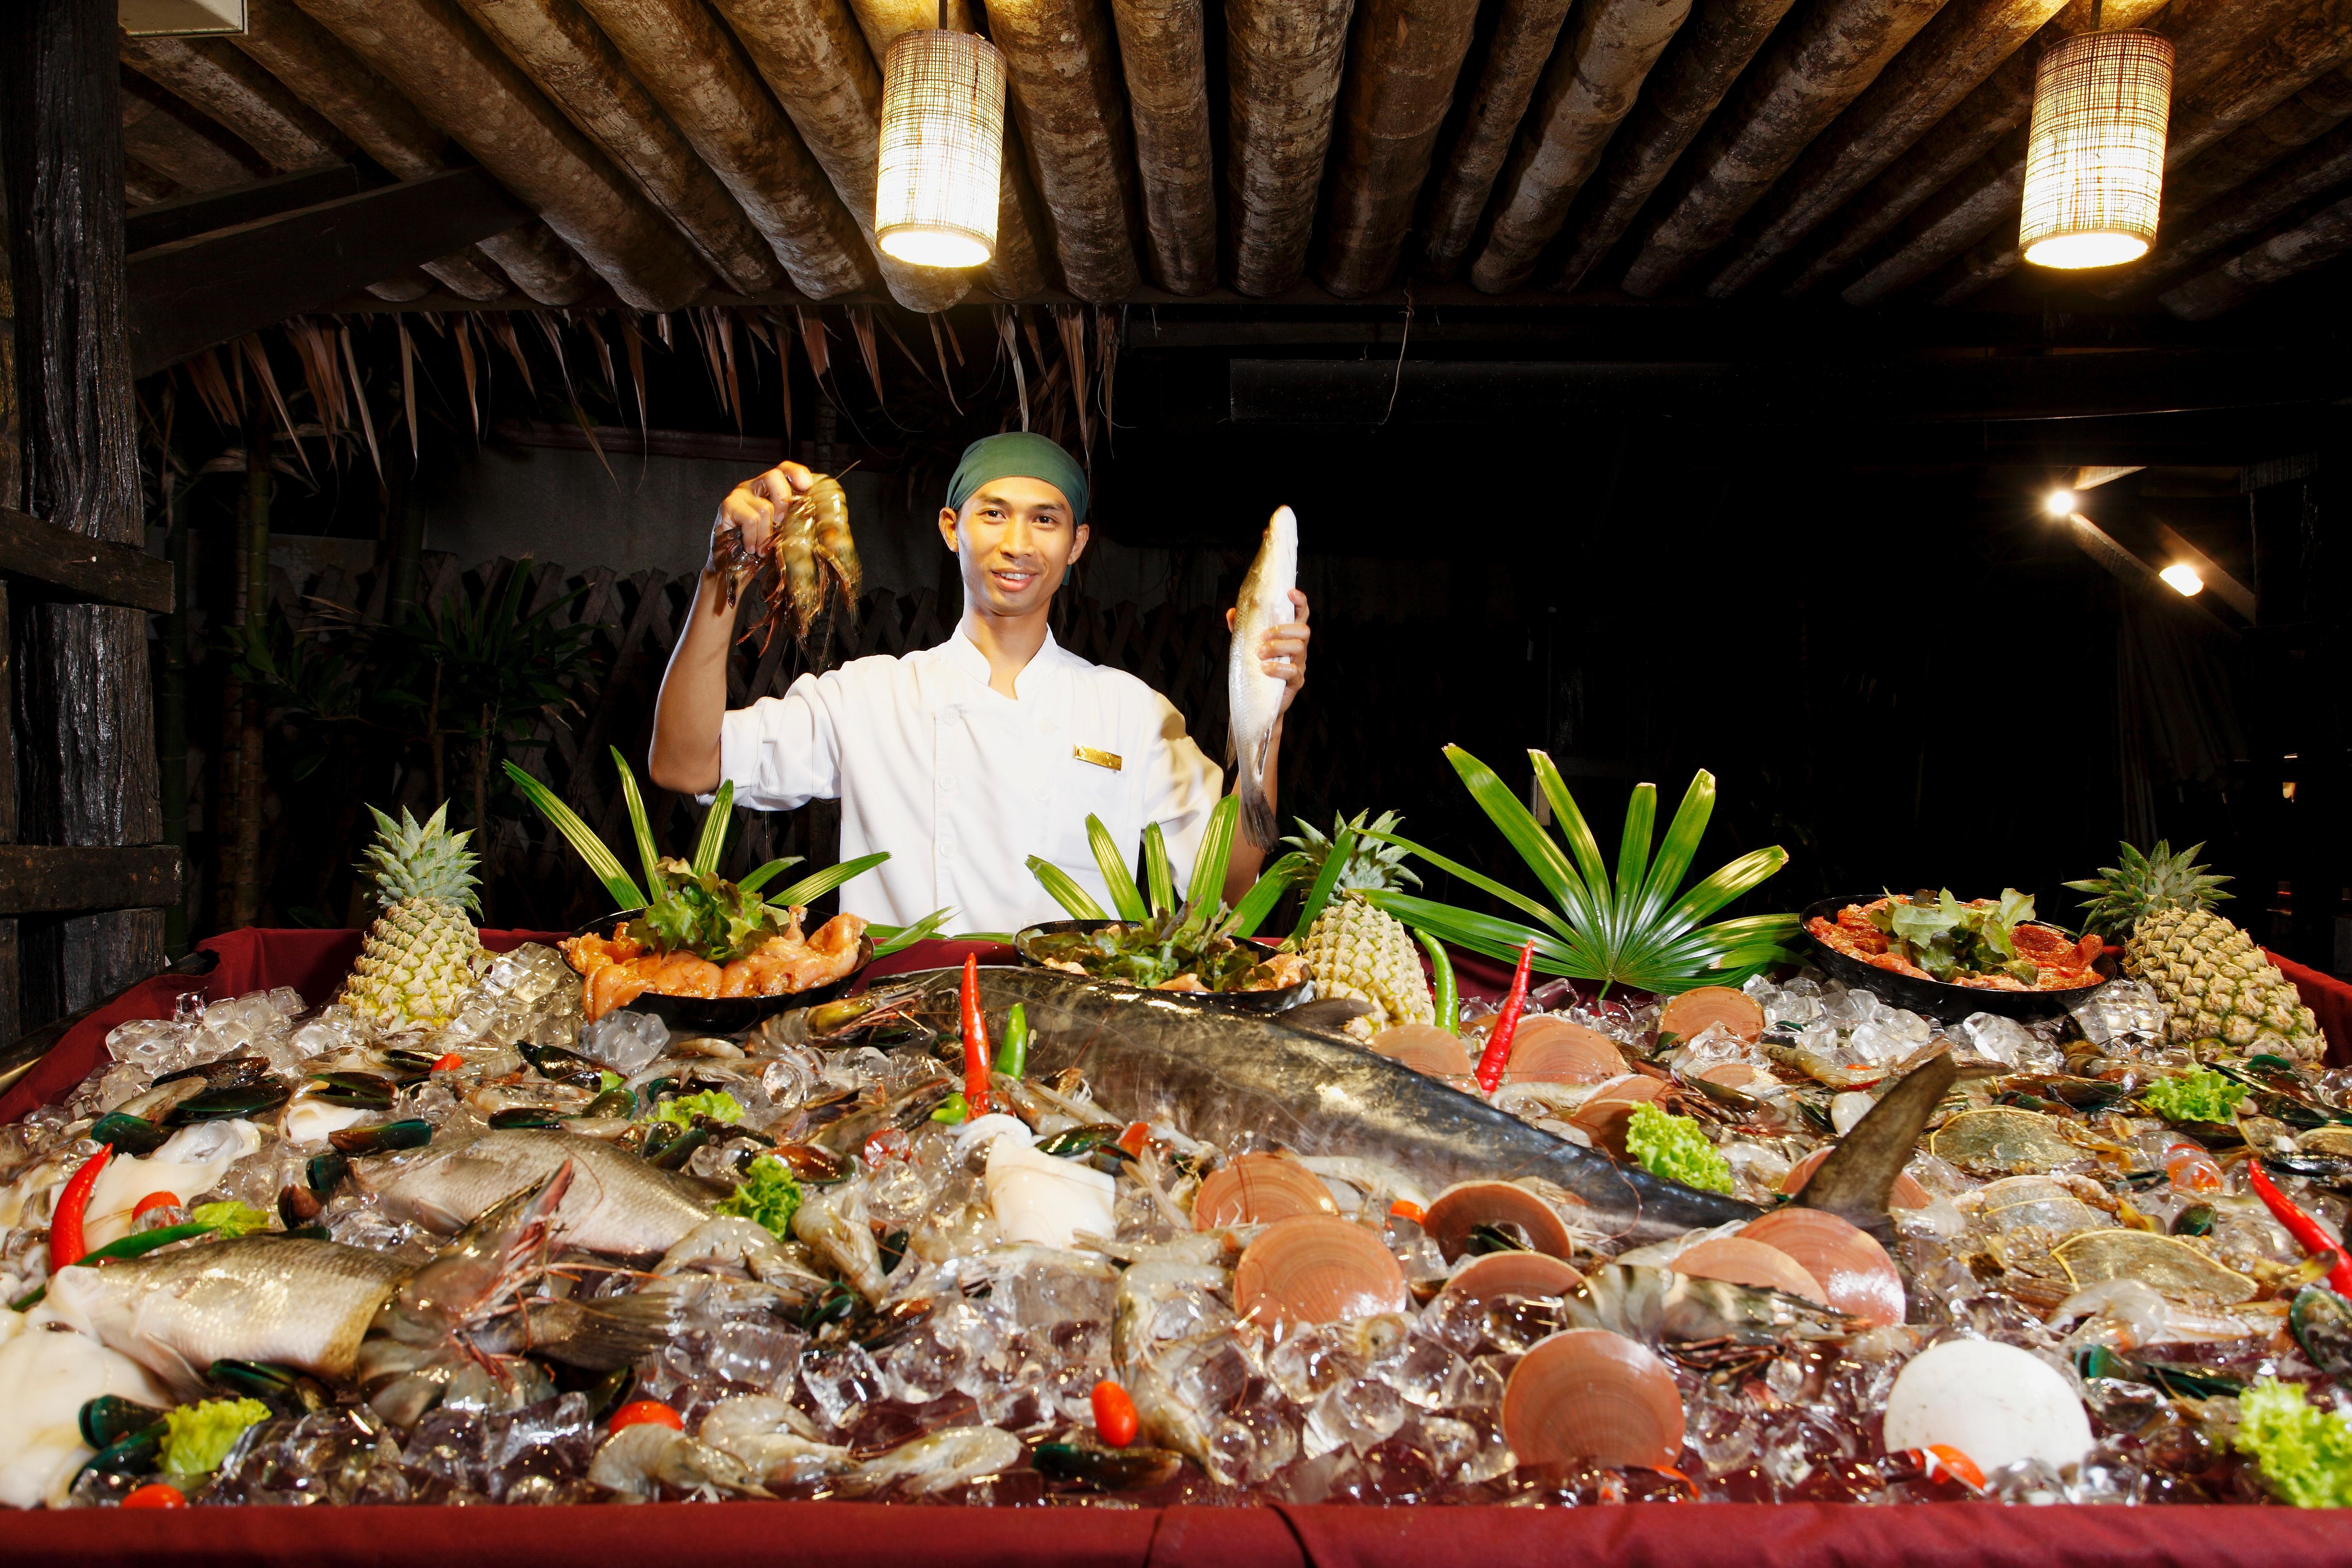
point(2095, 158)
point(942, 148)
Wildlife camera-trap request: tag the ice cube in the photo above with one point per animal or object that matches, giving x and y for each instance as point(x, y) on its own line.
point(624, 1041)
point(759, 1353)
point(1996, 1038)
point(841, 1383)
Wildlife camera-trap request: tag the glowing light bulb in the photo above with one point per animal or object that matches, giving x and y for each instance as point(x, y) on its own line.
point(2059, 504)
point(2183, 579)
point(935, 189)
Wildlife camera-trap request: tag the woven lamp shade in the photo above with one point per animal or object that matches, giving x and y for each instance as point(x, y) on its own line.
point(2095, 160)
point(943, 149)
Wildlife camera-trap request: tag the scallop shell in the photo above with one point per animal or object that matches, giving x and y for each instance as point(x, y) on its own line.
point(1744, 1076)
point(1556, 1050)
point(1257, 1189)
point(1685, 1016)
point(1752, 1263)
point(1316, 1268)
point(1603, 1117)
point(1426, 1049)
point(1461, 1208)
point(1995, 1402)
point(1907, 1193)
point(1853, 1270)
point(1587, 1393)
point(1497, 1274)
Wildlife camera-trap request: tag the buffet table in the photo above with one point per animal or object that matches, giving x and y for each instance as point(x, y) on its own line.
point(1104, 1533)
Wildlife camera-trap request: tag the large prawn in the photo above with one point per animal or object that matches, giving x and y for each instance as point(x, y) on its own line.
point(809, 552)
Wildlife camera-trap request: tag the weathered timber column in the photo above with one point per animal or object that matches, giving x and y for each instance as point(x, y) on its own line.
point(85, 718)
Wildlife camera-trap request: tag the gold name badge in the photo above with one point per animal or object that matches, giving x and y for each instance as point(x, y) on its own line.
point(1100, 759)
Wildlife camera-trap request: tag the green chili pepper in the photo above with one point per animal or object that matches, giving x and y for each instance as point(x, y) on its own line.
point(126, 1246)
point(952, 1109)
point(1013, 1052)
point(1447, 998)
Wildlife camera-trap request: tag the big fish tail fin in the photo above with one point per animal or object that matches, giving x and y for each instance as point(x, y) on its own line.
point(1257, 812)
point(1856, 1180)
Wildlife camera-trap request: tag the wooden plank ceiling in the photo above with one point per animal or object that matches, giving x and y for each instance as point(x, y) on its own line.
point(680, 150)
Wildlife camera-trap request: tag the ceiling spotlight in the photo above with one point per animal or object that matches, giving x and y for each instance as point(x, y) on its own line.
point(2183, 579)
point(2059, 504)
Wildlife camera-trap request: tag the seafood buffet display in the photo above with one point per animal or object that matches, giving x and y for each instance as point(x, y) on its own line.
point(1018, 1236)
point(1990, 943)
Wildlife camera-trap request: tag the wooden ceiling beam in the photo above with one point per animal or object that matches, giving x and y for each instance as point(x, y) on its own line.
point(561, 51)
point(1162, 50)
point(143, 186)
point(2302, 119)
point(1283, 64)
point(1067, 96)
point(813, 58)
point(219, 81)
point(1525, 34)
point(696, 71)
point(1590, 86)
point(2322, 236)
point(164, 135)
point(2253, 206)
point(205, 210)
point(1402, 67)
point(458, 80)
point(1707, 56)
point(310, 63)
point(1950, 58)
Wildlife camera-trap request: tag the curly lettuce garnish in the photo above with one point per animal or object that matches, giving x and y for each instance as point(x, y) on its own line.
point(1674, 1148)
point(197, 1437)
point(770, 1195)
point(703, 914)
point(1949, 938)
point(2304, 1452)
point(716, 1103)
point(2200, 1094)
point(230, 1220)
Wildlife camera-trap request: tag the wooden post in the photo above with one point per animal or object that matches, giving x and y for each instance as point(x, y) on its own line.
point(12, 492)
point(171, 718)
point(88, 735)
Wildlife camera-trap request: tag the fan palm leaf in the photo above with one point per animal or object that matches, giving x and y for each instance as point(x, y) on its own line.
point(1637, 926)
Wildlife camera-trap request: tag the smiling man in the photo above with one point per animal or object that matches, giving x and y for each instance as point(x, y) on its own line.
point(965, 759)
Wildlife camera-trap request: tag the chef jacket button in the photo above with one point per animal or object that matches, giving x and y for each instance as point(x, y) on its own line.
point(1044, 792)
point(947, 851)
point(947, 781)
point(1045, 726)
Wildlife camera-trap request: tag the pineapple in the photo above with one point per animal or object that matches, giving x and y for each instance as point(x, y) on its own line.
point(1354, 949)
point(2223, 996)
point(421, 955)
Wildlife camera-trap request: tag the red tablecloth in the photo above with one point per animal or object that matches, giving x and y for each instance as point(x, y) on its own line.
point(723, 1536)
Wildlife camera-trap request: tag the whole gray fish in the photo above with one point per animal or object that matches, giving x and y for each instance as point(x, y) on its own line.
point(617, 1202)
point(296, 1301)
point(1216, 1073)
point(1255, 697)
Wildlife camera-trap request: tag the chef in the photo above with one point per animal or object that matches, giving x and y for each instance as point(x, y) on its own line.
point(965, 759)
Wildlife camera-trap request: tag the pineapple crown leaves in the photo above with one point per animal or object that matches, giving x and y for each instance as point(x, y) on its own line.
point(2123, 896)
point(1632, 928)
point(421, 860)
point(1373, 864)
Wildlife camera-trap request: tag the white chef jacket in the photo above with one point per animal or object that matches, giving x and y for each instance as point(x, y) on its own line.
point(961, 784)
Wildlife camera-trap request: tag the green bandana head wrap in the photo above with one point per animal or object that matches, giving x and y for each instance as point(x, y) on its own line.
point(1019, 454)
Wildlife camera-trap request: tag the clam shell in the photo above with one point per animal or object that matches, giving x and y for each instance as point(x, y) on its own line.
point(1556, 1050)
point(1587, 1393)
point(1426, 1049)
point(1512, 1274)
point(1995, 1402)
point(1257, 1189)
point(1316, 1268)
point(1603, 1117)
point(1461, 1208)
point(1738, 1075)
point(1853, 1270)
point(1752, 1263)
point(1907, 1193)
point(1685, 1016)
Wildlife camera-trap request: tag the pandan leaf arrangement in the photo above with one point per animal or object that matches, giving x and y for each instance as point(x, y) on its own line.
point(1628, 928)
point(691, 907)
point(1204, 916)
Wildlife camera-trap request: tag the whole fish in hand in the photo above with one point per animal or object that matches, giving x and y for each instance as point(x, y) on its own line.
point(1255, 697)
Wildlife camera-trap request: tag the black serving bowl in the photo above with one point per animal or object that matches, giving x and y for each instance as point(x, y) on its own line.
point(725, 1015)
point(1273, 1001)
point(1934, 999)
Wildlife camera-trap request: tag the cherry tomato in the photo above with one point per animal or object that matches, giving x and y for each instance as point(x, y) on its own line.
point(155, 1494)
point(647, 1412)
point(448, 1061)
point(154, 1201)
point(1114, 1421)
point(1413, 1212)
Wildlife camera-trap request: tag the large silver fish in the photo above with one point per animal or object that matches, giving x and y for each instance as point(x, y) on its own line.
point(1255, 697)
point(1217, 1073)
point(617, 1203)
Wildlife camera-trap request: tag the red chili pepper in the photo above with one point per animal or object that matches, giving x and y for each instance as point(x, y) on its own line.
point(152, 1201)
point(1497, 1054)
point(2306, 1231)
point(1115, 1418)
point(647, 1412)
point(448, 1061)
point(155, 1494)
point(65, 1244)
point(1403, 1209)
point(1137, 1135)
point(975, 1043)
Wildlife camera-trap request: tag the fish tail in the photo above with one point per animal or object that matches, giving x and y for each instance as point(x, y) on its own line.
point(1855, 1180)
point(1257, 812)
